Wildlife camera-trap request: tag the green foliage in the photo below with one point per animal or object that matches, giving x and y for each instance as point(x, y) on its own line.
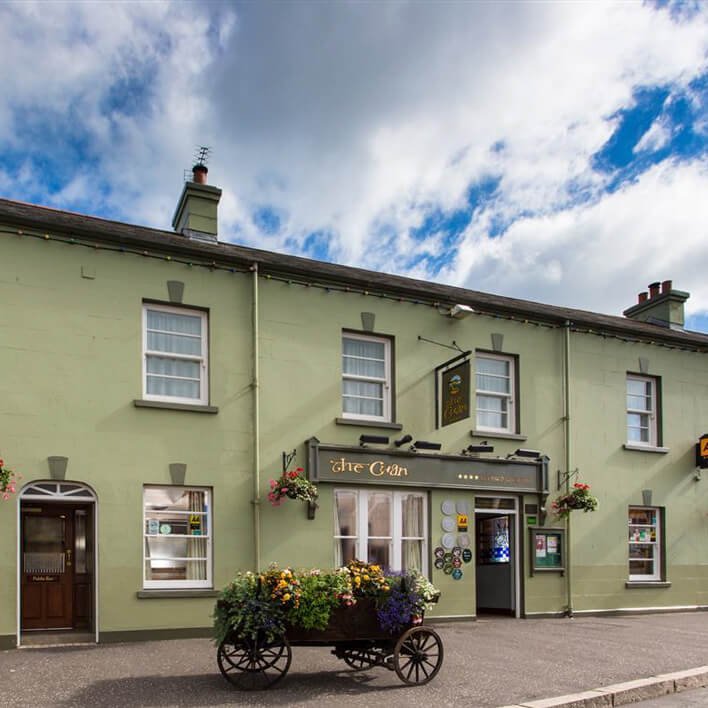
point(246, 608)
point(320, 593)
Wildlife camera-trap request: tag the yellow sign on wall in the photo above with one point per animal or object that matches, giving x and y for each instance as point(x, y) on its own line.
point(702, 452)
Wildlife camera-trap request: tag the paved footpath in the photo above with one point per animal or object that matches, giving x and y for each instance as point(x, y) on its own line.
point(695, 699)
point(488, 663)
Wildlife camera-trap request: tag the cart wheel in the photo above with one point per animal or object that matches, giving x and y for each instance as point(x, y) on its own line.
point(360, 659)
point(418, 656)
point(254, 664)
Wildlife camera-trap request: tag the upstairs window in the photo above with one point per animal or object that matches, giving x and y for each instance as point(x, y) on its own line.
point(495, 377)
point(642, 411)
point(366, 377)
point(175, 354)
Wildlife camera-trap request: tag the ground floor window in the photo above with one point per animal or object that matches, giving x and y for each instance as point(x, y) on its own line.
point(645, 543)
point(383, 527)
point(177, 537)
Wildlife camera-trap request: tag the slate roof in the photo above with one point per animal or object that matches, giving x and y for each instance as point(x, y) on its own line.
point(30, 216)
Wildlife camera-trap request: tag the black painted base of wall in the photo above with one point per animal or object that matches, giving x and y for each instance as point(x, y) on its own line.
point(152, 635)
point(7, 641)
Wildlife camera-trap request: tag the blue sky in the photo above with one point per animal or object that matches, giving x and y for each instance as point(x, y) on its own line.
point(549, 151)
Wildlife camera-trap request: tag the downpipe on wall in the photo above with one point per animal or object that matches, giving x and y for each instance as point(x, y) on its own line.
point(256, 426)
point(568, 458)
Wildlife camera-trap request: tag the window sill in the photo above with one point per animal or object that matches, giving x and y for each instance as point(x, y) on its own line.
point(142, 403)
point(646, 448)
point(634, 584)
point(160, 594)
point(501, 436)
point(361, 423)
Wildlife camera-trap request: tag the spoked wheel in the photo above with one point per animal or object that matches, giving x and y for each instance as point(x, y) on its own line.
point(418, 656)
point(361, 658)
point(253, 665)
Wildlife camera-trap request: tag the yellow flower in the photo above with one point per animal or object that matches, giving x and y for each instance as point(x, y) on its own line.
point(366, 577)
point(286, 597)
point(357, 580)
point(282, 575)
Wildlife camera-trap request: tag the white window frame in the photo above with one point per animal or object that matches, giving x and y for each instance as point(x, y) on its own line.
point(510, 397)
point(202, 359)
point(180, 584)
point(651, 411)
point(656, 544)
point(397, 537)
point(386, 381)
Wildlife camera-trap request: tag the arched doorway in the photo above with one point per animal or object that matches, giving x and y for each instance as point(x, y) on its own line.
point(57, 562)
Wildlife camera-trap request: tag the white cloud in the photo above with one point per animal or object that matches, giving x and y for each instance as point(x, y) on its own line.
point(357, 119)
point(600, 256)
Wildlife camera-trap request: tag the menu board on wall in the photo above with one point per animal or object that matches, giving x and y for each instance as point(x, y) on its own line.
point(547, 550)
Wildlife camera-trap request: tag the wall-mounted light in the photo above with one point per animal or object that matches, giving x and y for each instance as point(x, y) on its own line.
point(373, 439)
point(425, 445)
point(524, 452)
point(459, 312)
point(402, 441)
point(476, 449)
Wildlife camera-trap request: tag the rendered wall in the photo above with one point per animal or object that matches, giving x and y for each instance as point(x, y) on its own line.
point(70, 353)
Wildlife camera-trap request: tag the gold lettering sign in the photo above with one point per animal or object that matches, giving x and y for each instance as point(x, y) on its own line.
point(377, 468)
point(44, 578)
point(455, 394)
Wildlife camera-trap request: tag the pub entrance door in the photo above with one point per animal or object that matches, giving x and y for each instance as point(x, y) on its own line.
point(56, 559)
point(497, 555)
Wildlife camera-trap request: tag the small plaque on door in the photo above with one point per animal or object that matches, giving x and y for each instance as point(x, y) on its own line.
point(44, 578)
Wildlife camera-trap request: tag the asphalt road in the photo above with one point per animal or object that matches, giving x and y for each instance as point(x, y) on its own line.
point(491, 662)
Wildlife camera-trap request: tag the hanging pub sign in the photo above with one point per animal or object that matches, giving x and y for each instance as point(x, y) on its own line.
point(452, 384)
point(702, 452)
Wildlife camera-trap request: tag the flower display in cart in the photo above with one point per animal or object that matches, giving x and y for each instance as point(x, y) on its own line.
point(269, 602)
point(292, 485)
point(8, 481)
point(579, 498)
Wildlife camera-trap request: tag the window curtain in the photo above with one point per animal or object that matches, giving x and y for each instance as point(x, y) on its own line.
point(338, 542)
point(173, 333)
point(367, 359)
point(196, 545)
point(412, 544)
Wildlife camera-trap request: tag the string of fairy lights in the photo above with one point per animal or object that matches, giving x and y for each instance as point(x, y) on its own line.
point(214, 265)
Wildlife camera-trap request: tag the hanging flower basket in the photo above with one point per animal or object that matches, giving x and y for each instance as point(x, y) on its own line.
point(292, 485)
point(579, 499)
point(8, 481)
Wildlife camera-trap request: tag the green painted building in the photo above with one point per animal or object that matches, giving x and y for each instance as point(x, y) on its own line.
point(154, 382)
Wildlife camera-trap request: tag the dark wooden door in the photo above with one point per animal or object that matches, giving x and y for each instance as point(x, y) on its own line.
point(47, 567)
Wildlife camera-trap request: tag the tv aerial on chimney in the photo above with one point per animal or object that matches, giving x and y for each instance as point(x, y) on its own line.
point(198, 171)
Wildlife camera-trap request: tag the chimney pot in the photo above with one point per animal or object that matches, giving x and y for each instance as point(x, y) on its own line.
point(666, 287)
point(200, 173)
point(643, 297)
point(654, 289)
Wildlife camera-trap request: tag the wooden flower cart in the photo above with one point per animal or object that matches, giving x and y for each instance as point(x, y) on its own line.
point(415, 653)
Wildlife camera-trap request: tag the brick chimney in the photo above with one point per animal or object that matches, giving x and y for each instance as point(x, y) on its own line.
point(196, 213)
point(661, 306)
